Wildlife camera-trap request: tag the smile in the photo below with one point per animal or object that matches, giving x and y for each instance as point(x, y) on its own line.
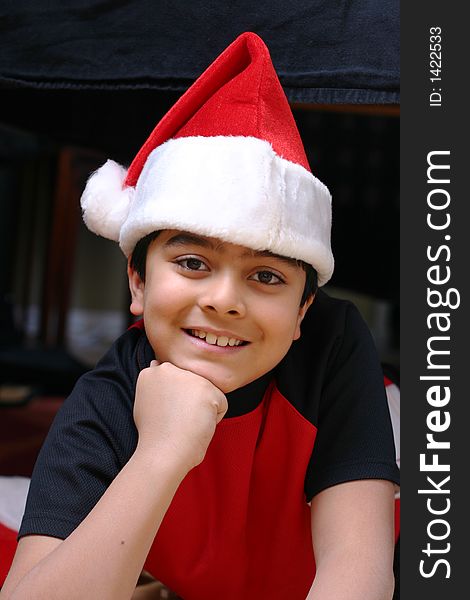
point(214, 340)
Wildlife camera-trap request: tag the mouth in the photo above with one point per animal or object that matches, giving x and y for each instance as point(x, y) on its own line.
point(215, 340)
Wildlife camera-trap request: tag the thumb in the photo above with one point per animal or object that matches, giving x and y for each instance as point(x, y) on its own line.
point(222, 408)
point(154, 363)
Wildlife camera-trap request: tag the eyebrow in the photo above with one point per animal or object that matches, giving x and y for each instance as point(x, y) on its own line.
point(186, 238)
point(266, 253)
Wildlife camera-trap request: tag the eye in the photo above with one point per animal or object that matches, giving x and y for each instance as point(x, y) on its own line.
point(267, 277)
point(192, 263)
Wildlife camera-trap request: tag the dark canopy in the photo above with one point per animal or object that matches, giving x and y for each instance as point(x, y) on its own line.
point(325, 52)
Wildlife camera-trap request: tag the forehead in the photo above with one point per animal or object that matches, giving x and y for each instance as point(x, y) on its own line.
point(176, 238)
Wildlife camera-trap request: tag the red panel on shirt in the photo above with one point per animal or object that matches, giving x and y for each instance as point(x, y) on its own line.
point(223, 536)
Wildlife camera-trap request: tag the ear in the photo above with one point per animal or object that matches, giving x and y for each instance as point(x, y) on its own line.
point(300, 317)
point(136, 286)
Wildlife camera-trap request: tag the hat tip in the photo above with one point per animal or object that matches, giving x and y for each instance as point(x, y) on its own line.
point(253, 38)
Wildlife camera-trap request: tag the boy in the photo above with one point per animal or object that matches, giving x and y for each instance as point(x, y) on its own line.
point(195, 446)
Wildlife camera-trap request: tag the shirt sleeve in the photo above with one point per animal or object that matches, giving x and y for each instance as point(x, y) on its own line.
point(90, 440)
point(354, 433)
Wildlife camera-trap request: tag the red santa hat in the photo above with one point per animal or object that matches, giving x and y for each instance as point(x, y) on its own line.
point(226, 161)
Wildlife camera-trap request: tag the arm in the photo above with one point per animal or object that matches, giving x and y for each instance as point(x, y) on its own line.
point(352, 532)
point(104, 556)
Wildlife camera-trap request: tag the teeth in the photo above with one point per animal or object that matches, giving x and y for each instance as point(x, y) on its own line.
point(211, 338)
point(214, 340)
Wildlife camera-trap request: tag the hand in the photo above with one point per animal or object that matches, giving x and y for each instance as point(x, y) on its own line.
point(176, 413)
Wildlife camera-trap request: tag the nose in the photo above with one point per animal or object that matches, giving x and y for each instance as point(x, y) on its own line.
point(223, 295)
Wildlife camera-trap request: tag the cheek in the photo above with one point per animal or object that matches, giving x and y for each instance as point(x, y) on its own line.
point(163, 295)
point(280, 321)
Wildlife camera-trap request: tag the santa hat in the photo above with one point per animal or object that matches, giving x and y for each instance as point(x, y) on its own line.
point(226, 161)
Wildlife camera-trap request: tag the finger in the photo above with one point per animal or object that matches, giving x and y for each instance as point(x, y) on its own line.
point(154, 363)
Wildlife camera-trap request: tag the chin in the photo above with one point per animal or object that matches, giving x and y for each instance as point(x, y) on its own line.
point(226, 382)
point(229, 387)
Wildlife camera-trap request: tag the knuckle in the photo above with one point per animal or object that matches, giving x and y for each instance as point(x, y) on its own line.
point(146, 373)
point(142, 377)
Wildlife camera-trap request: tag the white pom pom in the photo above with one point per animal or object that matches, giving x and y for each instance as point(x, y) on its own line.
point(105, 203)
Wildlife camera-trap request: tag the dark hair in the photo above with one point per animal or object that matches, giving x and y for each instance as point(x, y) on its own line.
point(139, 257)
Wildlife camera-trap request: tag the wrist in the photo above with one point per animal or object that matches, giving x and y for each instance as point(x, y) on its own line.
point(161, 463)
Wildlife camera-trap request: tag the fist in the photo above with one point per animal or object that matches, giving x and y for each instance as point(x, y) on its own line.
point(176, 413)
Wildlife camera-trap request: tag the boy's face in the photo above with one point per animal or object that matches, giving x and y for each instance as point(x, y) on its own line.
point(222, 311)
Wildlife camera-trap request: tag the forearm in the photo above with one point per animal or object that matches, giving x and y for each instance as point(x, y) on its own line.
point(349, 576)
point(352, 533)
point(103, 557)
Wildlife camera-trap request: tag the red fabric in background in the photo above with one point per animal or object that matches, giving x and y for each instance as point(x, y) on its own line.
point(22, 433)
point(7, 550)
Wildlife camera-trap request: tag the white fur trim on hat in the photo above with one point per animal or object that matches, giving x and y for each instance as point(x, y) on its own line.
point(104, 202)
point(236, 189)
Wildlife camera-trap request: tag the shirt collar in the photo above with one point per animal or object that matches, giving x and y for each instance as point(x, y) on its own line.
point(245, 399)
